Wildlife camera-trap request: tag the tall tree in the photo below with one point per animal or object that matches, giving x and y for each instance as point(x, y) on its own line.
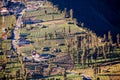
point(75, 21)
point(65, 12)
point(64, 30)
point(109, 37)
point(45, 36)
point(49, 68)
point(104, 51)
point(55, 34)
point(64, 74)
point(71, 14)
point(118, 39)
point(69, 30)
point(83, 58)
point(104, 37)
point(84, 52)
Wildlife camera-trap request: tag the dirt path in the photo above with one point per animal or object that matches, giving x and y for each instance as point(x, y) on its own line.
point(54, 21)
point(16, 33)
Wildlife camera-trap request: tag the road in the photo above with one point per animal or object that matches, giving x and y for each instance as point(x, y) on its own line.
point(16, 33)
point(54, 21)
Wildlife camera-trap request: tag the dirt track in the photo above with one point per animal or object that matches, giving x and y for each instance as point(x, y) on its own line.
point(54, 21)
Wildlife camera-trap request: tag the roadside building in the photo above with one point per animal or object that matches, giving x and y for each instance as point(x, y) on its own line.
point(4, 11)
point(4, 36)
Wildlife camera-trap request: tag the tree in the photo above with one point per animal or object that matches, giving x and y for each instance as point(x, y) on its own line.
point(75, 21)
point(64, 74)
point(104, 52)
point(45, 36)
point(104, 38)
point(82, 24)
point(94, 54)
point(64, 31)
point(69, 30)
point(89, 58)
point(84, 52)
point(79, 47)
point(52, 16)
point(50, 35)
point(18, 73)
point(109, 37)
point(72, 55)
point(49, 68)
point(55, 33)
point(45, 11)
point(41, 70)
point(118, 39)
point(65, 12)
point(83, 58)
point(71, 14)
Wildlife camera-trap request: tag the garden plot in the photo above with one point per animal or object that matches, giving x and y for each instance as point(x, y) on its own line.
point(37, 35)
point(44, 14)
point(41, 11)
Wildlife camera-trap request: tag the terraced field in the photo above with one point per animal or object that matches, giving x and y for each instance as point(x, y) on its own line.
point(44, 14)
point(49, 32)
point(9, 23)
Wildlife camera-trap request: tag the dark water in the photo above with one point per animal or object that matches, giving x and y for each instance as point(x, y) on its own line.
point(100, 16)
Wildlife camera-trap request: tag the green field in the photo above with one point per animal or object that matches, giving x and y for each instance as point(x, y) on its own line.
point(9, 24)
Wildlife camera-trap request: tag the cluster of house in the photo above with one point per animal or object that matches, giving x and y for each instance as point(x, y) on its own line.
point(39, 57)
point(8, 6)
point(32, 6)
point(4, 11)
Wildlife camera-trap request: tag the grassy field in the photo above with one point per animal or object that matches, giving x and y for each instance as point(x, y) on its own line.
point(10, 22)
point(37, 33)
point(44, 14)
point(69, 77)
point(12, 66)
